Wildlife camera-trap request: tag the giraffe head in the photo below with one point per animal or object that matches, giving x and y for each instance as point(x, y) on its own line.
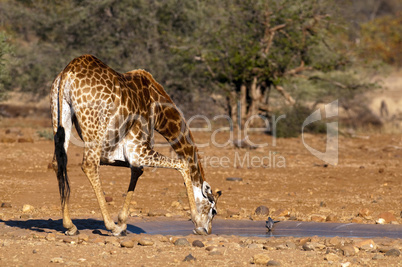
point(205, 202)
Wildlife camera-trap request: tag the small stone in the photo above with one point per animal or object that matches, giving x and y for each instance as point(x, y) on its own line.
point(318, 218)
point(273, 263)
point(261, 259)
point(378, 256)
point(255, 246)
point(198, 244)
point(393, 252)
point(182, 242)
point(34, 251)
point(291, 245)
point(262, 210)
point(308, 247)
point(331, 218)
point(189, 257)
point(281, 213)
point(57, 260)
point(349, 250)
point(127, 244)
point(364, 212)
point(232, 212)
point(108, 199)
point(83, 237)
point(176, 204)
point(210, 248)
point(68, 239)
point(281, 247)
point(215, 252)
point(145, 242)
point(6, 205)
point(381, 170)
point(331, 257)
point(50, 237)
point(335, 241)
point(156, 213)
point(387, 216)
point(380, 221)
point(234, 179)
point(367, 245)
point(357, 220)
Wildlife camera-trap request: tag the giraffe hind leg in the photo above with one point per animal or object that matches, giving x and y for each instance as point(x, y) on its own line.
point(90, 166)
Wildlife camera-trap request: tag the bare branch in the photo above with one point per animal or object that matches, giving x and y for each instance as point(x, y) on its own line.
point(298, 69)
point(289, 99)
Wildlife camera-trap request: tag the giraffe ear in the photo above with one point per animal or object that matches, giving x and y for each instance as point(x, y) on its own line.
point(218, 193)
point(206, 189)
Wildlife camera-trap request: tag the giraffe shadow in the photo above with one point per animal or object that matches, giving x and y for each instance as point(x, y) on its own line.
point(43, 225)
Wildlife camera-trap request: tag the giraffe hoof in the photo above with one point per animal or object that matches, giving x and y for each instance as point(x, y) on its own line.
point(121, 233)
point(72, 232)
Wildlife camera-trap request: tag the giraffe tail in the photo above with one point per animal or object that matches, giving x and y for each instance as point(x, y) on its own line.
point(61, 158)
point(60, 152)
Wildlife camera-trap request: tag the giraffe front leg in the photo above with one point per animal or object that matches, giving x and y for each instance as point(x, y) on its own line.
point(90, 166)
point(136, 172)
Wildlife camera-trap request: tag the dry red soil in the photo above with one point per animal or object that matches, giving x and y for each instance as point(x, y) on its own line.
point(291, 182)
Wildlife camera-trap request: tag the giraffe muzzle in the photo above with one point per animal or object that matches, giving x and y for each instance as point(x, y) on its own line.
point(200, 231)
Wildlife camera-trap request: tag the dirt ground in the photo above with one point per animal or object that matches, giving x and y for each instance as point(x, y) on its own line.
point(363, 187)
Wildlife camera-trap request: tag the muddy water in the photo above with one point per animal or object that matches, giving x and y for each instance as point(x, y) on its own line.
point(281, 229)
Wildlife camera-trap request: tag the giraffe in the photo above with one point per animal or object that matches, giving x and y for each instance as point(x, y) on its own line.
point(115, 115)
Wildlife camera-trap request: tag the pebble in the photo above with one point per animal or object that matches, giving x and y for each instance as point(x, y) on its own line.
point(331, 218)
point(318, 218)
point(198, 244)
point(155, 213)
point(262, 210)
point(261, 259)
point(215, 252)
point(189, 257)
point(57, 260)
point(182, 242)
point(255, 246)
point(331, 257)
point(145, 242)
point(349, 250)
point(387, 216)
point(27, 208)
point(281, 213)
point(393, 252)
point(6, 205)
point(364, 212)
point(367, 245)
point(309, 246)
point(50, 237)
point(127, 244)
point(291, 245)
point(234, 179)
point(335, 241)
point(357, 220)
point(232, 212)
point(68, 239)
point(210, 248)
point(108, 199)
point(273, 263)
point(378, 256)
point(83, 237)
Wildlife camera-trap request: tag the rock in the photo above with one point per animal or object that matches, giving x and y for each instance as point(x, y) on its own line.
point(334, 241)
point(182, 242)
point(83, 237)
point(112, 240)
point(198, 244)
point(309, 246)
point(57, 260)
point(291, 245)
point(108, 199)
point(255, 246)
point(367, 245)
point(357, 220)
point(318, 218)
point(127, 244)
point(393, 252)
point(215, 252)
point(68, 239)
point(155, 213)
point(25, 140)
point(50, 237)
point(349, 250)
point(380, 221)
point(378, 256)
point(232, 212)
point(176, 204)
point(262, 210)
point(210, 248)
point(387, 217)
point(331, 218)
point(364, 212)
point(6, 205)
point(261, 259)
point(34, 251)
point(234, 179)
point(273, 263)
point(281, 213)
point(145, 242)
point(27, 208)
point(189, 257)
point(331, 257)
point(381, 170)
point(281, 247)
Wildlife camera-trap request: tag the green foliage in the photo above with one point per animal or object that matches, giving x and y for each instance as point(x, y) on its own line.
point(291, 126)
point(46, 134)
point(5, 78)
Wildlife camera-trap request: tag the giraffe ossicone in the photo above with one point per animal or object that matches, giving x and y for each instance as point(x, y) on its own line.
point(115, 115)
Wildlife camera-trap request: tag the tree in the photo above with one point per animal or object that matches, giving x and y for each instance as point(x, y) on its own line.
point(5, 49)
